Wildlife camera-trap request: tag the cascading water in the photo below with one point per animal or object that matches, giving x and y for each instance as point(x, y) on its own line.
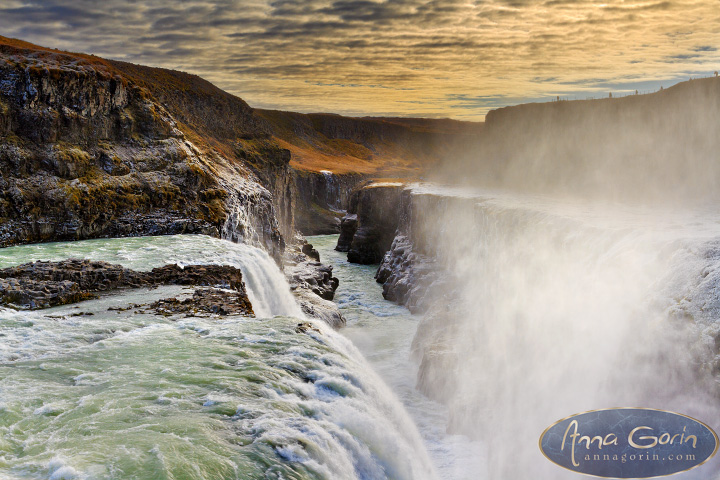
point(332, 189)
point(238, 226)
point(562, 307)
point(93, 391)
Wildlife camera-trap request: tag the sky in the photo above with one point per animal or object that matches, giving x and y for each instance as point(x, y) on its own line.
point(431, 58)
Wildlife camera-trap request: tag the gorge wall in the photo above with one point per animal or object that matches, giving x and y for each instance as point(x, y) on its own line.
point(89, 151)
point(94, 148)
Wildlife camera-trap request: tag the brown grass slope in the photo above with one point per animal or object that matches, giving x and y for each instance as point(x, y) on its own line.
point(385, 147)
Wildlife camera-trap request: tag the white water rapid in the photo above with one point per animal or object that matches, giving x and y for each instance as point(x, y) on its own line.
point(98, 390)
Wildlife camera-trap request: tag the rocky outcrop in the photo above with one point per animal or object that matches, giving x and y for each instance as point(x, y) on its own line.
point(312, 282)
point(348, 228)
point(378, 217)
point(204, 302)
point(374, 211)
point(408, 276)
point(410, 272)
point(45, 284)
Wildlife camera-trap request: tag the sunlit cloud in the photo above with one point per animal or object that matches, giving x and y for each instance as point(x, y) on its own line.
point(392, 57)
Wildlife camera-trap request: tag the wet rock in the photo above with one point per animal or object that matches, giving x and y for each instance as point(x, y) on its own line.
point(306, 327)
point(308, 250)
point(45, 284)
point(41, 284)
point(408, 277)
point(313, 276)
point(348, 227)
point(31, 294)
point(213, 301)
point(312, 282)
point(224, 276)
point(318, 308)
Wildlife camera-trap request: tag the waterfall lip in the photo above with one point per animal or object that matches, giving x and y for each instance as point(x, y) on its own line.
point(703, 219)
point(270, 289)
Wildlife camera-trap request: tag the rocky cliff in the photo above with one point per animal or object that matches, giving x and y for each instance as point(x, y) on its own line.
point(98, 148)
point(367, 231)
point(93, 148)
point(331, 155)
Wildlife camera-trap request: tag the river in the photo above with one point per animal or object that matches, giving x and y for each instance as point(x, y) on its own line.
point(557, 307)
point(383, 332)
point(91, 392)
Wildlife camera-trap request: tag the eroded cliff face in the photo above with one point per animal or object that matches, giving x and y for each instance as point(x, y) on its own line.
point(414, 274)
point(368, 229)
point(94, 148)
point(323, 199)
point(88, 151)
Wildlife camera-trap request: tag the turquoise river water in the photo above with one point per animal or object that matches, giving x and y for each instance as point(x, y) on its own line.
point(88, 391)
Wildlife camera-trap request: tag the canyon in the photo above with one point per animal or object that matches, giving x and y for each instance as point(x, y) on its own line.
point(504, 237)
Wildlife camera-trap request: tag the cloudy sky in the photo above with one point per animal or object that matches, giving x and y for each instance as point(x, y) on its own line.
point(438, 58)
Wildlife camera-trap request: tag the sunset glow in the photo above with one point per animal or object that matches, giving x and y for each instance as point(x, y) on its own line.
point(454, 58)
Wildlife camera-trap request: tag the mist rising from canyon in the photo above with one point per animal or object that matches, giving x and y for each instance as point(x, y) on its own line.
point(584, 247)
point(656, 148)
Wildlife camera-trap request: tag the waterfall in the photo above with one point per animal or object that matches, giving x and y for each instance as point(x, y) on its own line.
point(267, 287)
point(332, 189)
point(558, 308)
point(238, 226)
point(121, 394)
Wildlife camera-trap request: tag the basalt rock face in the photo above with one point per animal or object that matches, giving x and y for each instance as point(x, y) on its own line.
point(93, 148)
point(410, 271)
point(376, 207)
point(322, 200)
point(348, 228)
point(45, 284)
point(407, 275)
point(414, 274)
